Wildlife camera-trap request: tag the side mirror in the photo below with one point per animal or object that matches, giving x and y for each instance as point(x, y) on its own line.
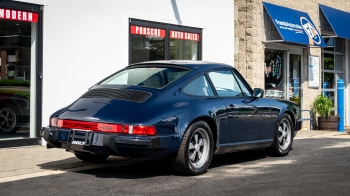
point(258, 92)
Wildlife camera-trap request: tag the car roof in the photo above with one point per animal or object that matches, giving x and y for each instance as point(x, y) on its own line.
point(194, 65)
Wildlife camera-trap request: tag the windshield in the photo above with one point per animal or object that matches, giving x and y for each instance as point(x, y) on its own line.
point(154, 77)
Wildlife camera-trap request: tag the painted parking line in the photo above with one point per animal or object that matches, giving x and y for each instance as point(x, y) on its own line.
point(31, 175)
point(116, 163)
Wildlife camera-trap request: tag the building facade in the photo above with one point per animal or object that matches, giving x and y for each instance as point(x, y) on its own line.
point(272, 50)
point(54, 51)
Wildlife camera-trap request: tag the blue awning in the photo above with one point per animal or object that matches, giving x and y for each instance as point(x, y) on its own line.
point(338, 20)
point(294, 26)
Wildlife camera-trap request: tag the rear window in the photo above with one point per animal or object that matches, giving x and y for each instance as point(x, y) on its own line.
point(154, 77)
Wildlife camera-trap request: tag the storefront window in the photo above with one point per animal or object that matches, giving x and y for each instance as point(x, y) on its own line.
point(157, 41)
point(18, 49)
point(333, 67)
point(274, 73)
point(328, 61)
point(183, 45)
point(147, 44)
point(330, 44)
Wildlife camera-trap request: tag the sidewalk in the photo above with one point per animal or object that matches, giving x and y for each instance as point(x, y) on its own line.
point(34, 161)
point(321, 133)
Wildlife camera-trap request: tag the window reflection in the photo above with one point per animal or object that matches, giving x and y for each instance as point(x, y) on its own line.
point(16, 56)
point(147, 48)
point(274, 78)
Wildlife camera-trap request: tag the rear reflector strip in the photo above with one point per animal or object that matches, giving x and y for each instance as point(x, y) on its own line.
point(104, 127)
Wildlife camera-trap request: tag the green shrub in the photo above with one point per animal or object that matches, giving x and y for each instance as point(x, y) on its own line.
point(6, 82)
point(322, 105)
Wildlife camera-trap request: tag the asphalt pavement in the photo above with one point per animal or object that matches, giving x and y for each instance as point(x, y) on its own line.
point(20, 163)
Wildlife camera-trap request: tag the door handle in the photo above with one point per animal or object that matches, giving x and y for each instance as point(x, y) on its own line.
point(231, 106)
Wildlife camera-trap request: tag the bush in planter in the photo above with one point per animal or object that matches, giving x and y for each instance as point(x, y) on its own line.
point(324, 107)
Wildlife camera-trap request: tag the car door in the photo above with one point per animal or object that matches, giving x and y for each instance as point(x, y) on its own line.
point(249, 116)
point(205, 101)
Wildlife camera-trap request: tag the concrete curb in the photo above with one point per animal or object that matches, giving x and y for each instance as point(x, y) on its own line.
point(302, 134)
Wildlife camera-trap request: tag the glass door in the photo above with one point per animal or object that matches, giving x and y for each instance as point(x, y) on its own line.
point(18, 77)
point(294, 92)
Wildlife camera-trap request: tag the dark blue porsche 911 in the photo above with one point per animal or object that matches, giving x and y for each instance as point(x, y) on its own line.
point(185, 110)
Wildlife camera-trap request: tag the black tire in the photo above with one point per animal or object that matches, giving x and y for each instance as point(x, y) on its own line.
point(9, 119)
point(94, 158)
point(196, 150)
point(283, 138)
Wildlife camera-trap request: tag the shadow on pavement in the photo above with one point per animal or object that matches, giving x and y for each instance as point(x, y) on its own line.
point(238, 157)
point(129, 168)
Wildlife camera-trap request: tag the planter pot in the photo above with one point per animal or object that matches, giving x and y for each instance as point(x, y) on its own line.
point(328, 123)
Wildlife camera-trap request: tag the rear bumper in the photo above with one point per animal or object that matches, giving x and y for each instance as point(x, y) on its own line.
point(108, 143)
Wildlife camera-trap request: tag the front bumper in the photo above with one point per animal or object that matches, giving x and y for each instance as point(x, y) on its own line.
point(106, 143)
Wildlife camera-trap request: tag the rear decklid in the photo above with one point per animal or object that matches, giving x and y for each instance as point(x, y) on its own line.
point(111, 105)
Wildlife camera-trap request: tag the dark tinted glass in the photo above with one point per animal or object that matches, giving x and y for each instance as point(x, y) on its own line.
point(17, 48)
point(199, 87)
point(146, 48)
point(154, 77)
point(183, 49)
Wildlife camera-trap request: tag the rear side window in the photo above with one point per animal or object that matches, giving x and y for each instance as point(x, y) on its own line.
point(199, 87)
point(154, 77)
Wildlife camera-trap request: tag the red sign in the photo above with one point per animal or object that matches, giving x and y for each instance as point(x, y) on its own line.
point(9, 14)
point(184, 35)
point(147, 31)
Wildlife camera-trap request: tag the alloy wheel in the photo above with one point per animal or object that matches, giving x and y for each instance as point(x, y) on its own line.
point(284, 134)
point(199, 148)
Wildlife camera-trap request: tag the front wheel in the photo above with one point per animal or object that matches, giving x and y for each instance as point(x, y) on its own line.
point(283, 138)
point(196, 150)
point(95, 158)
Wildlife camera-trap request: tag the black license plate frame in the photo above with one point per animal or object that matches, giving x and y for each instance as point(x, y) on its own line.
point(80, 137)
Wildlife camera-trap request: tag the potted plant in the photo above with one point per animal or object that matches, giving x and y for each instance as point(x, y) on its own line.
point(324, 107)
point(295, 99)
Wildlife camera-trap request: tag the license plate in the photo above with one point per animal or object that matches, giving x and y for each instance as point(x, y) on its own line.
point(80, 137)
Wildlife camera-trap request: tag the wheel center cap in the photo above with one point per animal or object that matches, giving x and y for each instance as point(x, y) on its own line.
point(196, 147)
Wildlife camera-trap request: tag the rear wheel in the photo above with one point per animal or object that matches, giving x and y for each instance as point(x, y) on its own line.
point(283, 138)
point(95, 158)
point(196, 150)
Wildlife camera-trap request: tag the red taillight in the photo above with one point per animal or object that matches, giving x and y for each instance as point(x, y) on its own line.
point(104, 127)
point(93, 126)
point(140, 130)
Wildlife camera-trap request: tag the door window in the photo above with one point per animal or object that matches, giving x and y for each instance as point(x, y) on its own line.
point(245, 90)
point(294, 77)
point(226, 84)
